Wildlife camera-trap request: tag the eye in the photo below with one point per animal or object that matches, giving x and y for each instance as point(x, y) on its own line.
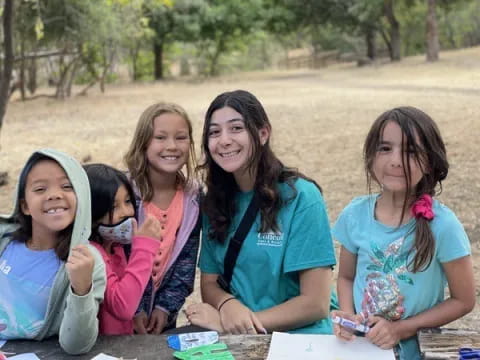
point(213, 132)
point(128, 201)
point(384, 148)
point(160, 137)
point(38, 189)
point(237, 128)
point(67, 186)
point(182, 137)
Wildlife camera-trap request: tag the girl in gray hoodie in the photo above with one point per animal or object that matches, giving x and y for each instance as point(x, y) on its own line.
point(52, 281)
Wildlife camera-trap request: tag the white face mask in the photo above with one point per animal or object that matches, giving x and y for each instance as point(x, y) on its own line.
point(120, 233)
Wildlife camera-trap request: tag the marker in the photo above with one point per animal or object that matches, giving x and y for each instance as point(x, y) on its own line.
point(350, 324)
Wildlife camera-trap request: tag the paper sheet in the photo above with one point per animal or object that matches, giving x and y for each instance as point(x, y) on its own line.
point(325, 347)
point(26, 356)
point(2, 342)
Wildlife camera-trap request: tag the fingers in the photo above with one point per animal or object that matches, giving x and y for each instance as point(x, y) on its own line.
point(140, 322)
point(259, 328)
point(151, 227)
point(134, 225)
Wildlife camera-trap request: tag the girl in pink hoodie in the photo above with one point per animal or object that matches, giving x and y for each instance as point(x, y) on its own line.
point(115, 234)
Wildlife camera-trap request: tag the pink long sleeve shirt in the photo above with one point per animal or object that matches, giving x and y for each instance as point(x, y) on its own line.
point(126, 283)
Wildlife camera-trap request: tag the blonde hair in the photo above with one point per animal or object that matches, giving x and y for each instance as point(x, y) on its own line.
point(136, 159)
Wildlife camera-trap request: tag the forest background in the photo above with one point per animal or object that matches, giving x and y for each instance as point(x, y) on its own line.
point(76, 74)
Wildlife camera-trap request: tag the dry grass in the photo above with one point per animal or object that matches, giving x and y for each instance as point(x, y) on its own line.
point(320, 119)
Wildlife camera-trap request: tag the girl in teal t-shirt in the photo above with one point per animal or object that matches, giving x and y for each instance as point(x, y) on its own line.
point(400, 247)
point(282, 277)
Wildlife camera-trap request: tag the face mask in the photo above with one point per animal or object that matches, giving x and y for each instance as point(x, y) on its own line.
point(120, 233)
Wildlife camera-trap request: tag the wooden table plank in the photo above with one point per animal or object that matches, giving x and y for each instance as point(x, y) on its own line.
point(443, 343)
point(141, 347)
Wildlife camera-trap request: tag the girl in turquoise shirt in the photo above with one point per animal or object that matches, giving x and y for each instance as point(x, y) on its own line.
point(281, 279)
point(400, 247)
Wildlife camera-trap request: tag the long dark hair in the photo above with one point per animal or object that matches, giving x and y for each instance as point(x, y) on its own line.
point(24, 232)
point(104, 183)
point(429, 153)
point(218, 203)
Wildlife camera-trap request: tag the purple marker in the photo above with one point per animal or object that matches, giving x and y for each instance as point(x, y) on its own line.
point(350, 324)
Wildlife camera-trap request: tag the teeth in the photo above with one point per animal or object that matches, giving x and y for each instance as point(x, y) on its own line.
point(170, 157)
point(230, 154)
point(53, 211)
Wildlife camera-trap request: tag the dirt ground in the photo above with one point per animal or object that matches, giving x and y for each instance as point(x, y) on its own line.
point(320, 119)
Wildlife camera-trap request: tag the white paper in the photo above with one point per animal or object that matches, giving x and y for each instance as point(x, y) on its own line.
point(26, 356)
point(2, 342)
point(103, 356)
point(325, 347)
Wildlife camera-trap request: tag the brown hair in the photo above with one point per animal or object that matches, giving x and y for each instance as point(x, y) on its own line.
point(218, 202)
point(429, 153)
point(136, 159)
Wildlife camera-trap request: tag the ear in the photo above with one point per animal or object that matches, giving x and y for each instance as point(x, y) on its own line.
point(24, 207)
point(264, 135)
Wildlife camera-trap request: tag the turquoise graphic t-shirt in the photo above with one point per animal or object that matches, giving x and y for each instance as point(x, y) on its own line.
point(26, 278)
point(384, 284)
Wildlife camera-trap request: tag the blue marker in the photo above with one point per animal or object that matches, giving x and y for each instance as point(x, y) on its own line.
point(350, 324)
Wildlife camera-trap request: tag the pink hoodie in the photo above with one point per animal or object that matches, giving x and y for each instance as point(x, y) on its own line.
point(126, 283)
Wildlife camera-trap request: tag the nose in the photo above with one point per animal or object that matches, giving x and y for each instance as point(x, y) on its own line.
point(397, 158)
point(225, 138)
point(125, 210)
point(54, 194)
point(171, 144)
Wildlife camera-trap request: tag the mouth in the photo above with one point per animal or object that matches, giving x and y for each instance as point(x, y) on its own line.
point(55, 210)
point(229, 154)
point(170, 157)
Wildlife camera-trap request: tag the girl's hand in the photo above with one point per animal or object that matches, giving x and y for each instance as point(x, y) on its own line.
point(140, 322)
point(79, 267)
point(343, 332)
point(151, 228)
point(204, 315)
point(385, 334)
point(236, 318)
point(157, 322)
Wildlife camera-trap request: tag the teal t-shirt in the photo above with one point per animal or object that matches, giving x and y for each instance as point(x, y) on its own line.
point(383, 285)
point(266, 272)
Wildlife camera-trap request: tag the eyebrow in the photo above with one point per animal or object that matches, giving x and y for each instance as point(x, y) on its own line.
point(228, 121)
point(46, 180)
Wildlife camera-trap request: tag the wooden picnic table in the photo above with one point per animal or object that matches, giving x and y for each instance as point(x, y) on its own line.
point(141, 347)
point(435, 344)
point(443, 343)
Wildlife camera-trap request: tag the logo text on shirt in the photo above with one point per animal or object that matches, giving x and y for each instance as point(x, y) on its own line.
point(270, 239)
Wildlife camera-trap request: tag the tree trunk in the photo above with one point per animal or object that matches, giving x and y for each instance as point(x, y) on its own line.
point(394, 30)
point(158, 64)
point(23, 65)
point(32, 76)
point(433, 46)
point(371, 44)
point(216, 56)
point(8, 61)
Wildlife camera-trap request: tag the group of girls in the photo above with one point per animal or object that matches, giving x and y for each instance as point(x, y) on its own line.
point(399, 246)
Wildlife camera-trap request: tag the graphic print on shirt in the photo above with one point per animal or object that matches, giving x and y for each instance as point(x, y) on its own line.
point(382, 295)
point(20, 317)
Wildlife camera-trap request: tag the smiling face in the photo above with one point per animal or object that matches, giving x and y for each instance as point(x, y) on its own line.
point(394, 162)
point(169, 147)
point(230, 144)
point(49, 198)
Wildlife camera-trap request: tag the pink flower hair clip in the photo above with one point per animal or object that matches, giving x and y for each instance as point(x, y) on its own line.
point(422, 208)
